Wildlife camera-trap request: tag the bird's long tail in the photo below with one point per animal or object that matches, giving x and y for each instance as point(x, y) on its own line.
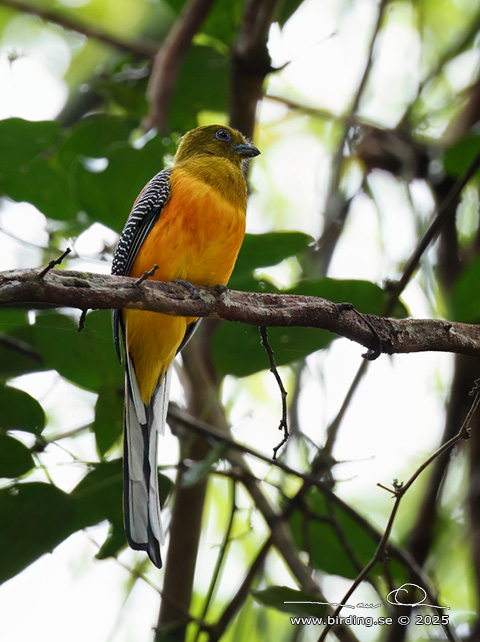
point(141, 499)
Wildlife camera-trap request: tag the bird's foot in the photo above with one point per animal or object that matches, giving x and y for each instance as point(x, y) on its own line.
point(187, 285)
point(219, 289)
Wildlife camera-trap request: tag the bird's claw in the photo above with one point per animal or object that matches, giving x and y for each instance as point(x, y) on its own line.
point(187, 285)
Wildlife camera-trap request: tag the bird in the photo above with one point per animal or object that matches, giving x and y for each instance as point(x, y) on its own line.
point(189, 222)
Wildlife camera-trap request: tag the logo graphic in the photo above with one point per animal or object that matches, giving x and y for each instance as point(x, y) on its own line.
point(392, 598)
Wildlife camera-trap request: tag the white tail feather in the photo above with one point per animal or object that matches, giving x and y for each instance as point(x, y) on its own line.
point(160, 403)
point(142, 426)
point(135, 390)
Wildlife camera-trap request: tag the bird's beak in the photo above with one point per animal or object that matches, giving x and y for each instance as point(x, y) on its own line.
point(245, 150)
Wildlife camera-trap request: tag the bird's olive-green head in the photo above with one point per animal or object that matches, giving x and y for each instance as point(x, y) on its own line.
point(215, 140)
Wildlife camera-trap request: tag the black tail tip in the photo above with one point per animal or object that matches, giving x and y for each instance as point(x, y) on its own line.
point(152, 548)
point(153, 551)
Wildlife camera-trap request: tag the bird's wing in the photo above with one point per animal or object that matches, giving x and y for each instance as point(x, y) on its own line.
point(145, 213)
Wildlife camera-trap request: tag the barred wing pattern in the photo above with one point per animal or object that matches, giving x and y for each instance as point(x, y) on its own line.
point(144, 215)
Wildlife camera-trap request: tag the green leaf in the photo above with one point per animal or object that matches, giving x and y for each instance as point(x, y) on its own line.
point(20, 411)
point(42, 184)
point(114, 542)
point(12, 318)
point(15, 458)
point(365, 296)
point(18, 354)
point(202, 85)
point(109, 195)
point(458, 157)
point(223, 22)
point(130, 97)
point(108, 422)
point(93, 136)
point(236, 348)
point(264, 250)
point(23, 140)
point(98, 497)
point(336, 542)
point(39, 518)
point(28, 169)
point(276, 596)
point(465, 305)
point(86, 358)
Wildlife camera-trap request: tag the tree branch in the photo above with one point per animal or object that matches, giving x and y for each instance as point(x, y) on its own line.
point(250, 63)
point(140, 48)
point(168, 60)
point(98, 291)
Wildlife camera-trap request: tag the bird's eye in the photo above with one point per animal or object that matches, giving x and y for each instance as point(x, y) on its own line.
point(223, 135)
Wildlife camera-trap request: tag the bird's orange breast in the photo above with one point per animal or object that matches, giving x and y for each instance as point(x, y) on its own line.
point(197, 239)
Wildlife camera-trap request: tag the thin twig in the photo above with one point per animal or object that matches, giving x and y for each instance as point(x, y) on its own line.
point(463, 433)
point(41, 442)
point(273, 369)
point(293, 418)
point(53, 263)
point(376, 351)
point(431, 232)
point(217, 631)
point(140, 48)
point(456, 47)
point(323, 114)
point(399, 491)
point(19, 240)
point(147, 274)
point(334, 426)
point(22, 347)
point(220, 559)
point(335, 213)
point(81, 321)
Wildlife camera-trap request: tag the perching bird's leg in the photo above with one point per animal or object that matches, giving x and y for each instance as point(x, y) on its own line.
point(187, 285)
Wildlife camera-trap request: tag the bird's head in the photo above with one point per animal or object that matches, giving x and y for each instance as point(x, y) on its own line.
point(216, 140)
